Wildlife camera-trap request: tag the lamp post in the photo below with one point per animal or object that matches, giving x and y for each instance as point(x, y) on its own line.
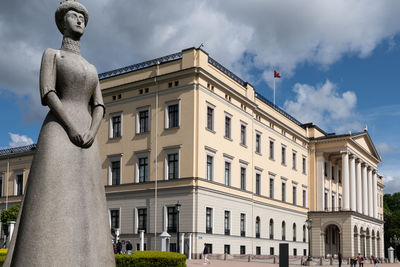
point(363, 233)
point(309, 225)
point(177, 206)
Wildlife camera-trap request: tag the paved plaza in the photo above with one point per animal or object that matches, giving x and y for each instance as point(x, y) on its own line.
point(220, 263)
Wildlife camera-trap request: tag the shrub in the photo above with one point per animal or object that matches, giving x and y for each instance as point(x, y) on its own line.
point(151, 258)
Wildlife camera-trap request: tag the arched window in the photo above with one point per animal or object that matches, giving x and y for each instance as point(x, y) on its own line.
point(271, 229)
point(304, 233)
point(257, 227)
point(294, 232)
point(283, 230)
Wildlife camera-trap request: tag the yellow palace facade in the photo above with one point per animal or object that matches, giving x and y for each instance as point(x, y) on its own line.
point(184, 129)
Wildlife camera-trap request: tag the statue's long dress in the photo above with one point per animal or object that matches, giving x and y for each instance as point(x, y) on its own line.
point(64, 221)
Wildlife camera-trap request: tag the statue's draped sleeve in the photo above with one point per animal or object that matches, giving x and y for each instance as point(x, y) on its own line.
point(47, 80)
point(97, 99)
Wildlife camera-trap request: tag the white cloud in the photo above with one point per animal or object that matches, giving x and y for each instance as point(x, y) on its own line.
point(324, 106)
point(242, 35)
point(19, 140)
point(385, 148)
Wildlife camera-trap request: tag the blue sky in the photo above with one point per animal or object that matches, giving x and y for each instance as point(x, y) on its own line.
point(339, 60)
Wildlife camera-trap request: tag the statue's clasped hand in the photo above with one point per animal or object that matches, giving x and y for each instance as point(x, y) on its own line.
point(82, 140)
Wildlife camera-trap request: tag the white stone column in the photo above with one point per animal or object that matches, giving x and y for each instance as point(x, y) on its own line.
point(320, 181)
point(190, 246)
point(353, 188)
point(370, 197)
point(364, 190)
point(182, 243)
point(141, 233)
point(375, 194)
point(345, 177)
point(359, 187)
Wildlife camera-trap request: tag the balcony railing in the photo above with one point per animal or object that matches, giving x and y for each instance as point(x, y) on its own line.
point(227, 231)
point(171, 229)
point(257, 235)
point(209, 230)
point(242, 233)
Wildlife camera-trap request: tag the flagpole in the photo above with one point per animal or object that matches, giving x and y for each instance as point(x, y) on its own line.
point(274, 89)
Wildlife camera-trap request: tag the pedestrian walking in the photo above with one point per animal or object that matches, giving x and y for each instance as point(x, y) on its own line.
point(128, 247)
point(340, 258)
point(119, 247)
point(375, 260)
point(360, 260)
point(205, 255)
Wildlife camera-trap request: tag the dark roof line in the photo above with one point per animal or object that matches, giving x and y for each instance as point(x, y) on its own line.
point(332, 135)
point(17, 150)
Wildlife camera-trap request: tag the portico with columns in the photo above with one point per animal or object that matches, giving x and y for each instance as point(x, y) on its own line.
point(345, 179)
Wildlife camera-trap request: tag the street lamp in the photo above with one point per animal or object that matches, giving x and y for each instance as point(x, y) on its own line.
point(309, 225)
point(363, 233)
point(177, 206)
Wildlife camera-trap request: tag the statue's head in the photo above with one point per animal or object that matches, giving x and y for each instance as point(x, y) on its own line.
point(71, 17)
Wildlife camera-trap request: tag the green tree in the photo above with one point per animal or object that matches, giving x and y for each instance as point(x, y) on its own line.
point(9, 214)
point(391, 210)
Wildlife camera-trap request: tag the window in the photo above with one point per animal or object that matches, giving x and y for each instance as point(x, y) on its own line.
point(114, 214)
point(227, 249)
point(271, 229)
point(294, 160)
point(242, 178)
point(257, 227)
point(294, 232)
point(258, 183)
point(115, 172)
point(326, 201)
point(295, 252)
point(243, 134)
point(172, 115)
point(271, 149)
point(210, 118)
point(227, 173)
point(115, 126)
point(19, 184)
point(1, 185)
point(228, 127)
point(294, 195)
point(304, 165)
point(242, 224)
point(142, 120)
point(258, 250)
point(271, 186)
point(304, 198)
point(304, 252)
point(143, 168)
point(227, 223)
point(172, 165)
point(283, 155)
point(325, 169)
point(283, 230)
point(304, 233)
point(210, 168)
point(242, 250)
point(333, 203)
point(271, 251)
point(340, 176)
point(209, 220)
point(258, 143)
point(284, 191)
point(340, 203)
point(142, 216)
point(333, 172)
point(172, 219)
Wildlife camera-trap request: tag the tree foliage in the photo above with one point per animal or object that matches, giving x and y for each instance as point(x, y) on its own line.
point(9, 214)
point(391, 210)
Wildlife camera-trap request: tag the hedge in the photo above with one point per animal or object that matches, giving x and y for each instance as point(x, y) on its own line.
point(139, 259)
point(151, 258)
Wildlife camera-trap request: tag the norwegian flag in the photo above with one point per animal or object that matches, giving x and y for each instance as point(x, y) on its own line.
point(276, 74)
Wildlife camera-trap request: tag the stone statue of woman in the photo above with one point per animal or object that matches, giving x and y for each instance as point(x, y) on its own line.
point(63, 219)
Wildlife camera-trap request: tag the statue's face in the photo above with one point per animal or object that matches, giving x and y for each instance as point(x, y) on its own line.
point(74, 24)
